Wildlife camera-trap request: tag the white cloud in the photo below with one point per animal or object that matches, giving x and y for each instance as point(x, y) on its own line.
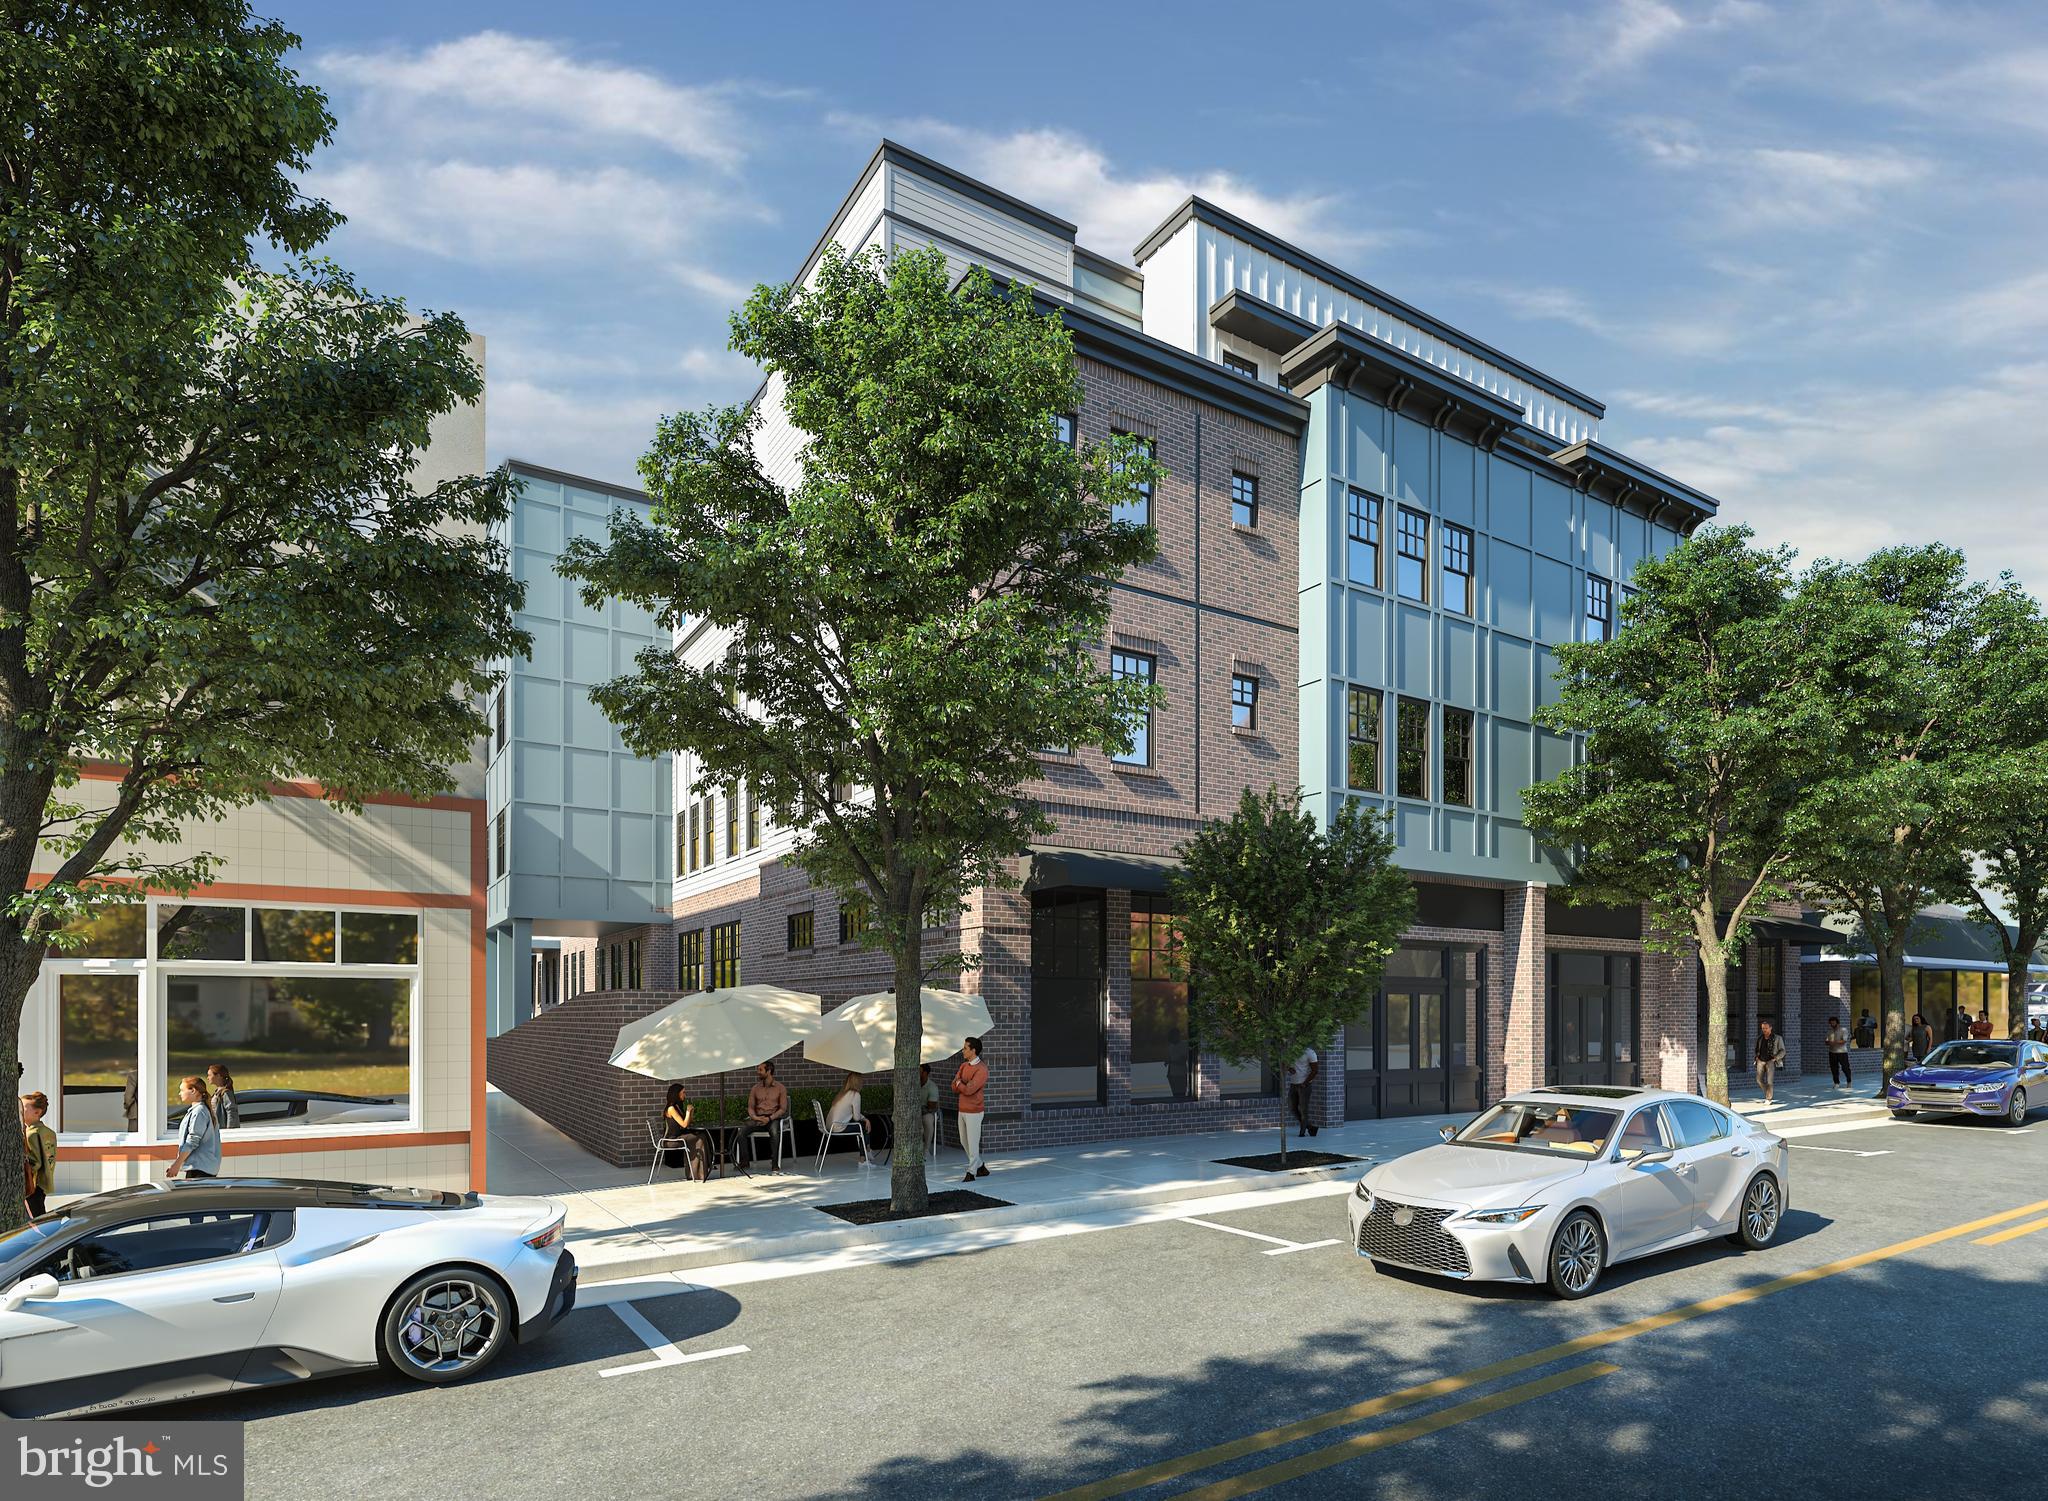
point(1114, 209)
point(1749, 187)
point(2005, 88)
point(599, 434)
point(1609, 43)
point(1700, 334)
point(1839, 471)
point(524, 81)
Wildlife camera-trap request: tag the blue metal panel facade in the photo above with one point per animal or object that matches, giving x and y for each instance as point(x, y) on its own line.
point(587, 826)
point(1535, 542)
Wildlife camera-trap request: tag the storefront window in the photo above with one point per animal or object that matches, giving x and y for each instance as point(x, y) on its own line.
point(1067, 1027)
point(380, 938)
point(188, 932)
point(110, 933)
point(98, 1030)
point(280, 935)
point(1162, 1062)
point(307, 1051)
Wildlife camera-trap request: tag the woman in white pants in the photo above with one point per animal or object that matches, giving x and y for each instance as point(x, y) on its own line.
point(970, 1085)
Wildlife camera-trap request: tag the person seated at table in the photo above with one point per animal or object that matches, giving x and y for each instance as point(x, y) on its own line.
point(845, 1109)
point(677, 1117)
point(767, 1103)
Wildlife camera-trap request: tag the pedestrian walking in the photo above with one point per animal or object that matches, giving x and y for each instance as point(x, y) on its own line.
point(41, 1143)
point(226, 1108)
point(1770, 1053)
point(198, 1137)
point(1838, 1055)
point(970, 1088)
point(1301, 1073)
point(1919, 1039)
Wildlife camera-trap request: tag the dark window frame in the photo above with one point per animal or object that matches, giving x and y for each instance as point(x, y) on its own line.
point(802, 930)
point(1150, 448)
point(1454, 550)
point(690, 959)
point(1244, 702)
point(1121, 663)
point(1363, 513)
point(1244, 499)
point(1456, 744)
point(1599, 608)
point(722, 962)
point(1355, 722)
point(1237, 364)
point(1411, 746)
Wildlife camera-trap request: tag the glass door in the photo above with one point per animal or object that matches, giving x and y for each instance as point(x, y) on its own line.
point(1593, 1019)
point(1361, 1065)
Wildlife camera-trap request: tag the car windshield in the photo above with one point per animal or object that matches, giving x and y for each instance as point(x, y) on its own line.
point(16, 1242)
point(1539, 1126)
point(1974, 1055)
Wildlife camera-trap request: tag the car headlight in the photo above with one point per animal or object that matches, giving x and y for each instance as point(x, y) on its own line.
point(1990, 1088)
point(1500, 1216)
point(1364, 1193)
point(1897, 1086)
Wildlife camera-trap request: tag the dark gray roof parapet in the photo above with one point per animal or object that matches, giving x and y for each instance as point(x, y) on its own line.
point(1594, 463)
point(1251, 234)
point(1261, 322)
point(1338, 353)
point(580, 481)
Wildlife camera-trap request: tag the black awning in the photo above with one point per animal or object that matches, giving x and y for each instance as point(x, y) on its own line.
point(1786, 930)
point(1052, 869)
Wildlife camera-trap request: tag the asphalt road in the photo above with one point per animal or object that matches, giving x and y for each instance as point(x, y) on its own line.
point(1033, 1369)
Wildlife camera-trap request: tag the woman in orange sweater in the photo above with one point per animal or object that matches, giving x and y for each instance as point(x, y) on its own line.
point(970, 1084)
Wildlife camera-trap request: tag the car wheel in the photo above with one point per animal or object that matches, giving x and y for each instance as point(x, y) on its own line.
point(2016, 1112)
point(446, 1325)
point(1904, 1115)
point(1578, 1254)
point(1763, 1206)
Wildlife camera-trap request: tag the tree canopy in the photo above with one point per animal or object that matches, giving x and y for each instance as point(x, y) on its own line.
point(1284, 929)
point(1703, 723)
point(904, 622)
point(215, 572)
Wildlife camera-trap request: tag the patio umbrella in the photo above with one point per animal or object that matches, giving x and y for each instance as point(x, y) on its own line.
point(861, 1035)
point(716, 1030)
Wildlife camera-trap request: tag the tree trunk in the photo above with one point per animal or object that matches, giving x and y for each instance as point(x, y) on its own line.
point(1286, 1099)
point(1891, 979)
point(19, 965)
point(2014, 1022)
point(1714, 1069)
point(907, 1192)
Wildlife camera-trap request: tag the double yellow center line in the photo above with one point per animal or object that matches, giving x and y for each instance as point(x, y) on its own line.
point(1343, 1417)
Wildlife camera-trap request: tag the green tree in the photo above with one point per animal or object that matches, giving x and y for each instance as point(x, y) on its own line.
point(907, 624)
point(214, 573)
point(1703, 722)
point(1909, 647)
point(1285, 930)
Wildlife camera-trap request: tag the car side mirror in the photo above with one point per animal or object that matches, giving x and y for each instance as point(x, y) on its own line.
point(1651, 1159)
point(1446, 1132)
point(27, 1290)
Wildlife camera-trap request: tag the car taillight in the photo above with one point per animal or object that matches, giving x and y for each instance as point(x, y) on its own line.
point(546, 1238)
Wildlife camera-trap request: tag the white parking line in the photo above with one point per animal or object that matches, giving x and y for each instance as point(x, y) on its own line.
point(1800, 1146)
point(665, 1352)
point(1281, 1247)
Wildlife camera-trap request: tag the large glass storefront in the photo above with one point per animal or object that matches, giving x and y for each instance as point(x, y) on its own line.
point(1419, 1047)
point(1593, 1019)
point(1069, 1059)
point(1162, 1056)
point(1941, 995)
point(309, 1010)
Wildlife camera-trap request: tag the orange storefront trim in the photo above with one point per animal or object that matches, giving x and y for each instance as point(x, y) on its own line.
point(109, 771)
point(165, 1151)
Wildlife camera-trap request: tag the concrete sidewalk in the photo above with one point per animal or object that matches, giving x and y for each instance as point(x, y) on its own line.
point(620, 1226)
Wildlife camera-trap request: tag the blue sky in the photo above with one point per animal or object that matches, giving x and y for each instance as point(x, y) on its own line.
point(1797, 249)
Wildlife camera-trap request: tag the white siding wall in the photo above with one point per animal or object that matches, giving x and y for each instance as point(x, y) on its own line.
point(1201, 263)
point(1046, 258)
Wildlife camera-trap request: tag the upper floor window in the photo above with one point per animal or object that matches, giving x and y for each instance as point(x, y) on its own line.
point(1411, 555)
point(710, 832)
point(1599, 608)
point(1138, 509)
point(1362, 539)
point(1458, 757)
point(498, 840)
point(1244, 500)
point(1063, 428)
point(1237, 364)
point(803, 929)
point(753, 819)
point(690, 844)
point(1411, 748)
point(732, 819)
point(1627, 594)
point(1454, 545)
point(498, 722)
point(1128, 666)
point(853, 919)
point(1244, 702)
point(1362, 740)
point(690, 959)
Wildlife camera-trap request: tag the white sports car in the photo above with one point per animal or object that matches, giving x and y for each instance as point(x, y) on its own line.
point(1559, 1184)
point(166, 1291)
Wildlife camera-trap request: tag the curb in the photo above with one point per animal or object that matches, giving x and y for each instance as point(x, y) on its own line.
point(842, 1237)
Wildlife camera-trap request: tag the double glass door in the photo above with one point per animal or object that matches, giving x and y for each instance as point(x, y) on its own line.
point(1417, 1050)
point(1593, 1019)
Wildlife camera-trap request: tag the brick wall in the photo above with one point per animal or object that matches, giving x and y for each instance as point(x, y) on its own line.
point(1524, 1023)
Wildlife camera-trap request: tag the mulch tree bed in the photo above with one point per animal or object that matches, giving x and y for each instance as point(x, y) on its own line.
point(877, 1212)
point(1269, 1162)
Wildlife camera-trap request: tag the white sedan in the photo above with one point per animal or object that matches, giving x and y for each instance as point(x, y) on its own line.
point(165, 1291)
point(1559, 1184)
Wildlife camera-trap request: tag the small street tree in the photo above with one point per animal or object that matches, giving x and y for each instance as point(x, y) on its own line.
point(1284, 931)
point(1908, 646)
point(909, 623)
point(215, 573)
point(1702, 724)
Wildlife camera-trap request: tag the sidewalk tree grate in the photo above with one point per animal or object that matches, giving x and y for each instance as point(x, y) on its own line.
point(1269, 1162)
point(876, 1211)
